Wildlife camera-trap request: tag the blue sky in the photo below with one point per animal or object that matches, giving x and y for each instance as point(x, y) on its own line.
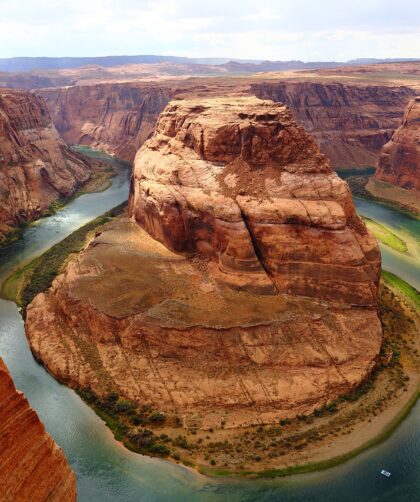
point(258, 29)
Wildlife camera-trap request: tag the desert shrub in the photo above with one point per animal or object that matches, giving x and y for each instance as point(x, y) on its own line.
point(159, 449)
point(157, 417)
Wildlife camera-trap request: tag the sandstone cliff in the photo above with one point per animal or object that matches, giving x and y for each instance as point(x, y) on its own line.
point(242, 313)
point(399, 163)
point(32, 466)
point(36, 166)
point(350, 123)
point(115, 118)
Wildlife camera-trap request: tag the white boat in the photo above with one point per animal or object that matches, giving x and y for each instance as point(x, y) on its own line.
point(385, 473)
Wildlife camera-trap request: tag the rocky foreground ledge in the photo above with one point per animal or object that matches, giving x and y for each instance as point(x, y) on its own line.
point(259, 301)
point(32, 466)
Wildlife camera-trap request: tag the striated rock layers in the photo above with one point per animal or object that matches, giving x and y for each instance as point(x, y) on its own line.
point(399, 163)
point(32, 466)
point(350, 123)
point(116, 118)
point(259, 301)
point(238, 181)
point(36, 166)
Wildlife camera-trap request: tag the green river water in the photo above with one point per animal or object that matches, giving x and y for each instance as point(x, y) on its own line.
point(106, 471)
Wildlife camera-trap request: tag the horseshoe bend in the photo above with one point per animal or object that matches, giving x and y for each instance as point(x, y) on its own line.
point(240, 289)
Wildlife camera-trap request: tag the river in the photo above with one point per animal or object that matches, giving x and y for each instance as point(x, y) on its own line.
point(106, 471)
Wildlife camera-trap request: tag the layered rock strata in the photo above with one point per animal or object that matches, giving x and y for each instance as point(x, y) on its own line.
point(115, 118)
point(350, 123)
point(36, 166)
point(259, 301)
point(237, 180)
point(399, 163)
point(32, 466)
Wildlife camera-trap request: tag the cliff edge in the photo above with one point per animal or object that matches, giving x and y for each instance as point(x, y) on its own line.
point(32, 466)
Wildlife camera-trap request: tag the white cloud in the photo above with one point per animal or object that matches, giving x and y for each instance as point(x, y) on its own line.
point(267, 29)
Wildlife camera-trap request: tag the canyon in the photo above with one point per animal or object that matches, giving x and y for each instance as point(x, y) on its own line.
point(116, 118)
point(350, 121)
point(32, 466)
point(241, 288)
point(36, 166)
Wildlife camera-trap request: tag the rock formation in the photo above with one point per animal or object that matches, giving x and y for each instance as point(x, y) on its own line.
point(399, 163)
point(36, 166)
point(116, 118)
point(238, 181)
point(350, 123)
point(32, 466)
point(259, 301)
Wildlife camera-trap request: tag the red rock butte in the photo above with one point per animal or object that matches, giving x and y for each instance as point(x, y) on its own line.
point(259, 301)
point(32, 466)
point(238, 181)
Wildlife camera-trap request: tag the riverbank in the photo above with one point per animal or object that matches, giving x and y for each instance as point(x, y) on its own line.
point(366, 187)
point(331, 435)
point(102, 172)
point(36, 276)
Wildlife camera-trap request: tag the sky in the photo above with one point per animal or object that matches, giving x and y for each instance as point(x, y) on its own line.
point(310, 30)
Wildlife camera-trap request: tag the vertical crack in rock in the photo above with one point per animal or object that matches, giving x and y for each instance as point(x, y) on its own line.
point(255, 247)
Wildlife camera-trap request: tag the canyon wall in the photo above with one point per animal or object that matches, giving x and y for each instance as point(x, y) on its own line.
point(115, 118)
point(36, 166)
point(350, 123)
point(32, 466)
point(399, 163)
point(242, 290)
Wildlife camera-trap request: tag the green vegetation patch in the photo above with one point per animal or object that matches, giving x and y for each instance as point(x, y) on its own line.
point(386, 236)
point(25, 283)
point(130, 422)
point(402, 286)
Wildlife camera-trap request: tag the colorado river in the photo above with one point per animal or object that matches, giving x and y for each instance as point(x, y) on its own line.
point(106, 471)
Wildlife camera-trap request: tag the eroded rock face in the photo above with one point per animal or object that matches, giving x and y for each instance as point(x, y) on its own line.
point(157, 327)
point(227, 299)
point(238, 181)
point(32, 466)
point(350, 123)
point(399, 163)
point(115, 118)
point(36, 166)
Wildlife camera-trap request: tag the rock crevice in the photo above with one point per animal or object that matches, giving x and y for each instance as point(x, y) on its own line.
point(240, 182)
